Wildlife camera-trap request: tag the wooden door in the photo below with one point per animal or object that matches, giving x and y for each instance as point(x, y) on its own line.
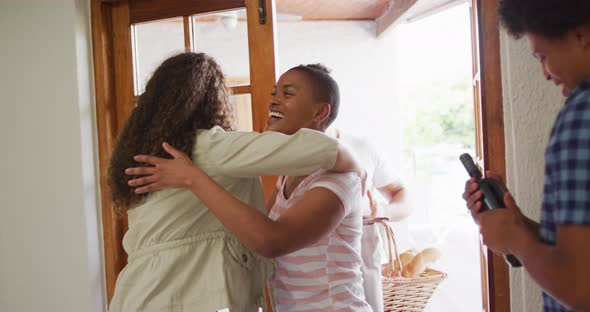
point(117, 27)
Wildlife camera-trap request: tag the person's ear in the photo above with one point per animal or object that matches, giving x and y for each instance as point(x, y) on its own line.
point(583, 35)
point(322, 113)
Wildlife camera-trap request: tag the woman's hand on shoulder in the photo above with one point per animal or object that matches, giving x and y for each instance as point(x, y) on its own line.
point(162, 173)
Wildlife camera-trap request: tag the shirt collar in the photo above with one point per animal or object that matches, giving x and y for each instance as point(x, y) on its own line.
point(585, 85)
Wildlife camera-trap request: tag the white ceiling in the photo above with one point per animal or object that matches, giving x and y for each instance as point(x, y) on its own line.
point(357, 9)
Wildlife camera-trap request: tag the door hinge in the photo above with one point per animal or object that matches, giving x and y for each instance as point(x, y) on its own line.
point(262, 12)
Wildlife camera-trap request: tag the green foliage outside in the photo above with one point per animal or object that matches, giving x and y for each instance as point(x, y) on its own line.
point(444, 115)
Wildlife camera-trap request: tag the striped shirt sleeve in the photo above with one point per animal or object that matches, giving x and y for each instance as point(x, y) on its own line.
point(347, 186)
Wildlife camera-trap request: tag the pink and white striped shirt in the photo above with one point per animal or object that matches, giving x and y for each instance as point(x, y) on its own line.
point(325, 276)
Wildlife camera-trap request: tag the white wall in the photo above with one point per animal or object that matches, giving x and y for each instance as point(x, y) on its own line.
point(364, 67)
point(49, 223)
point(530, 107)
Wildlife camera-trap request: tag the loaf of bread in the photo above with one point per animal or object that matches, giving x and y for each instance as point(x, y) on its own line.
point(420, 262)
point(405, 258)
point(387, 271)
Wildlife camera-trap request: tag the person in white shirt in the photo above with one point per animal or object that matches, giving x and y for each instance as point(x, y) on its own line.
point(382, 180)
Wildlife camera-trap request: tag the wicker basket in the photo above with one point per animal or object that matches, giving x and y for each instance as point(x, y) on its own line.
point(406, 294)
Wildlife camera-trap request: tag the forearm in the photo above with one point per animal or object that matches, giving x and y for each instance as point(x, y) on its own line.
point(397, 207)
point(252, 227)
point(397, 211)
point(551, 269)
point(270, 153)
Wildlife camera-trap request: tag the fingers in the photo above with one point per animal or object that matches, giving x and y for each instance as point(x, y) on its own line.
point(152, 160)
point(476, 209)
point(474, 199)
point(140, 171)
point(172, 151)
point(149, 188)
point(471, 186)
point(476, 214)
point(142, 181)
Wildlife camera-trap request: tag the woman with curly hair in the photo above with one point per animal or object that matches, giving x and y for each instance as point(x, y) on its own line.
point(180, 256)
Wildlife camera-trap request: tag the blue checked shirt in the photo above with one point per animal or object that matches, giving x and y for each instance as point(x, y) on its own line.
point(566, 196)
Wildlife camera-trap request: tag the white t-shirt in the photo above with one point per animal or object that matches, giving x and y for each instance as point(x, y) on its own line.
point(379, 170)
point(379, 174)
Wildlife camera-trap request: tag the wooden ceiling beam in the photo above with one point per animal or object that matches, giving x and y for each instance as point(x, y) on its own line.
point(395, 10)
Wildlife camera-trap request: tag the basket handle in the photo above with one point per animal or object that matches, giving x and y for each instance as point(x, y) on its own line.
point(391, 247)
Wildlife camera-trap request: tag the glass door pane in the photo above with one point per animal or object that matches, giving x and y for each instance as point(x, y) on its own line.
point(224, 36)
point(243, 111)
point(153, 43)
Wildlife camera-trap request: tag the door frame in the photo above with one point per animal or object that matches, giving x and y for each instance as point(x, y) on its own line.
point(490, 141)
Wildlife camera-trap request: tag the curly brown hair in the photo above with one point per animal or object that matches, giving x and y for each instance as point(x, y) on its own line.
point(186, 92)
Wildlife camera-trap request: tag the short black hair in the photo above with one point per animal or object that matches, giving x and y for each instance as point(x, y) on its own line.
point(547, 18)
point(326, 88)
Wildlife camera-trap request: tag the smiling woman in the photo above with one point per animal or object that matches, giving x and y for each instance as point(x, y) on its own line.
point(304, 83)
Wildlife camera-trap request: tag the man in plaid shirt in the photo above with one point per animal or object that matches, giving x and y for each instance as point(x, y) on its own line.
point(555, 252)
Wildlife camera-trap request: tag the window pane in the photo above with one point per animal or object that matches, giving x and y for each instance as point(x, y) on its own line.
point(224, 36)
point(243, 110)
point(155, 42)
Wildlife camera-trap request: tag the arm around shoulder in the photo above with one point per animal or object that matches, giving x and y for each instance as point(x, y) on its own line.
point(251, 154)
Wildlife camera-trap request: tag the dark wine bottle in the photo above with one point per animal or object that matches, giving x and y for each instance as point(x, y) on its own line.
point(493, 195)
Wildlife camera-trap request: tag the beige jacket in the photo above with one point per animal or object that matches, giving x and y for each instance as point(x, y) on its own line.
point(181, 258)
